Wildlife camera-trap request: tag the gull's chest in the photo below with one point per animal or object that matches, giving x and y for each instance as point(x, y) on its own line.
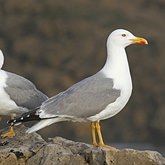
point(123, 82)
point(113, 108)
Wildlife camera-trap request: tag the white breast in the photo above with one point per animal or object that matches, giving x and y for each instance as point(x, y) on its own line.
point(7, 106)
point(114, 108)
point(117, 68)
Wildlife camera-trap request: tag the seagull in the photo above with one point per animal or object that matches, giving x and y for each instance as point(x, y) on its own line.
point(98, 97)
point(17, 95)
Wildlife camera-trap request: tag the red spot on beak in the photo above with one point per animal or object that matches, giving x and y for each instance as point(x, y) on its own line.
point(139, 40)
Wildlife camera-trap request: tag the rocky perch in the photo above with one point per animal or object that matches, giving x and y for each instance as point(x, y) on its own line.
point(31, 149)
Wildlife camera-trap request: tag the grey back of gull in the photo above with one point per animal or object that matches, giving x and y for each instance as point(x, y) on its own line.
point(82, 100)
point(23, 92)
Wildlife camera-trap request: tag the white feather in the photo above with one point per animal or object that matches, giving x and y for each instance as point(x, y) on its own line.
point(7, 106)
point(43, 123)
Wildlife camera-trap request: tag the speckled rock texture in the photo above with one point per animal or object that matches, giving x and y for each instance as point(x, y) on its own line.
point(31, 149)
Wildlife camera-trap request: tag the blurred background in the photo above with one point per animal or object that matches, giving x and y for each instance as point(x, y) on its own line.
point(58, 43)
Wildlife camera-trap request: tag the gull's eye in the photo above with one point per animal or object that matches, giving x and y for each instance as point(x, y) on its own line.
point(123, 35)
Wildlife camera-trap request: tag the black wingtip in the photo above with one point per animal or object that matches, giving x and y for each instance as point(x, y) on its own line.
point(29, 116)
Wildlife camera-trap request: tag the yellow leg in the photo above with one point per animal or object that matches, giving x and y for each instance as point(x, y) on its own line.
point(98, 129)
point(101, 142)
point(93, 134)
point(10, 133)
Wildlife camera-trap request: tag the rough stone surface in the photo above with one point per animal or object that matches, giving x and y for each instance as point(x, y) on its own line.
point(31, 149)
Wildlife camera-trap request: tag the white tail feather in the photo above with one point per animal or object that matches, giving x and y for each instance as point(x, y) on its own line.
point(43, 123)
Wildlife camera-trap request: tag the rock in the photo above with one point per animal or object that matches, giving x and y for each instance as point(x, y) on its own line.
point(31, 149)
point(20, 148)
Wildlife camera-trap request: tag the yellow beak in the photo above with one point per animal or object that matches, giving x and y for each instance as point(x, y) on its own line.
point(139, 40)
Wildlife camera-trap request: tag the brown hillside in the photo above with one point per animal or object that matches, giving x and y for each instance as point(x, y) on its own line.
point(57, 43)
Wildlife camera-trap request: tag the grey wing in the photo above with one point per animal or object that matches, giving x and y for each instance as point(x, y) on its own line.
point(23, 92)
point(82, 100)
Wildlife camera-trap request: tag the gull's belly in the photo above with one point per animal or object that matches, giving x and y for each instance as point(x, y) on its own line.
point(113, 108)
point(6, 104)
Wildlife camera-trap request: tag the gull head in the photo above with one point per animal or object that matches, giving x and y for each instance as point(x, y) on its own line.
point(124, 38)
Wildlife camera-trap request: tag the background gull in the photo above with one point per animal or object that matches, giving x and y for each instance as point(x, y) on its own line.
point(17, 95)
